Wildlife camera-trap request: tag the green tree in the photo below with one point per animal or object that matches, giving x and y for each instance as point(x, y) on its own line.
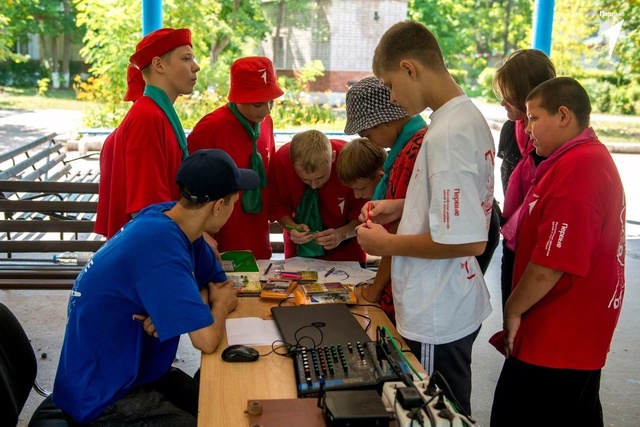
point(6, 41)
point(574, 23)
point(469, 31)
point(218, 27)
point(49, 19)
point(627, 49)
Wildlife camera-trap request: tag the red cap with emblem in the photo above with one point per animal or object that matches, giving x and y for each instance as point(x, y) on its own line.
point(253, 80)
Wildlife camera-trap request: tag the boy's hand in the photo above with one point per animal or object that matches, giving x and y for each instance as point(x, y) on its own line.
point(373, 239)
point(511, 326)
point(372, 293)
point(328, 239)
point(147, 324)
point(382, 211)
point(223, 296)
point(301, 237)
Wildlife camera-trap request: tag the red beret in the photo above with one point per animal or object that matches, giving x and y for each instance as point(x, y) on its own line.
point(253, 80)
point(135, 84)
point(158, 43)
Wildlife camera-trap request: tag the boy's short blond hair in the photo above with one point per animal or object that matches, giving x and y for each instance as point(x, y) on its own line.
point(360, 159)
point(310, 150)
point(407, 40)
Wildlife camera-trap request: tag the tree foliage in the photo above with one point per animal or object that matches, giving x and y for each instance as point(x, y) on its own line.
point(6, 40)
point(471, 31)
point(627, 48)
point(221, 31)
point(574, 23)
point(48, 19)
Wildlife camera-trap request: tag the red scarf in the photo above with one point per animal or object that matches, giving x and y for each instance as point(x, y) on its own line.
point(511, 229)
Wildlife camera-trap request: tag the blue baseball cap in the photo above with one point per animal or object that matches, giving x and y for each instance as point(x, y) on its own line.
point(209, 175)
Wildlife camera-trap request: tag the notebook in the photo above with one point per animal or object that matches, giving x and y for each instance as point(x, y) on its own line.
point(336, 322)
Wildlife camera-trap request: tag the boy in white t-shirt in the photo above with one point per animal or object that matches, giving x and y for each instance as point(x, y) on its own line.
point(439, 291)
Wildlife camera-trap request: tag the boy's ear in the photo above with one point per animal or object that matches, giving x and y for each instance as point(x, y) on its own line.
point(215, 208)
point(565, 115)
point(157, 64)
point(333, 156)
point(408, 67)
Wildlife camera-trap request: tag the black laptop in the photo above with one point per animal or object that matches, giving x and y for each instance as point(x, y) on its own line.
point(322, 324)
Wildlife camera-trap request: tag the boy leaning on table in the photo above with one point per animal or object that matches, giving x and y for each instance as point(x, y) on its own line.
point(116, 370)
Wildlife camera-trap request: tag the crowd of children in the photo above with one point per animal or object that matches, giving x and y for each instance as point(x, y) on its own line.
point(420, 198)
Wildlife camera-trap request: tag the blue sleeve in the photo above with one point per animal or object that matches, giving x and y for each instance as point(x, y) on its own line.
point(171, 298)
point(207, 267)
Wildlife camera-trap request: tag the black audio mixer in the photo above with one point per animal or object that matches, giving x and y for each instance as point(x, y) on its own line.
point(349, 366)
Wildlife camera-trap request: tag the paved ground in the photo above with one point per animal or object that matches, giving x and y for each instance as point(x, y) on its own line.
point(43, 312)
point(21, 126)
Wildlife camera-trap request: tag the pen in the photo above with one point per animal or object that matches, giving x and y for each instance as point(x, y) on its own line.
point(331, 270)
point(268, 268)
point(368, 210)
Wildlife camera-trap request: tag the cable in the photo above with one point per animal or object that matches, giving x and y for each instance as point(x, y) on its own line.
point(406, 361)
point(366, 318)
point(445, 386)
point(295, 335)
point(366, 305)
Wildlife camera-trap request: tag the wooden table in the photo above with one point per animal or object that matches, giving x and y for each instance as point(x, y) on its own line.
point(225, 387)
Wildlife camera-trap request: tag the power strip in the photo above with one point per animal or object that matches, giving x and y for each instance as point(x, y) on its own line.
point(405, 418)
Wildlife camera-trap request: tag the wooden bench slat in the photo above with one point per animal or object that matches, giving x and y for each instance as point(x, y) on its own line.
point(60, 174)
point(10, 154)
point(70, 226)
point(29, 162)
point(54, 273)
point(45, 206)
point(14, 186)
point(10, 246)
point(38, 283)
point(43, 170)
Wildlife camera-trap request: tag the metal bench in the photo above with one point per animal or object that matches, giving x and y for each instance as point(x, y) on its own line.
point(46, 207)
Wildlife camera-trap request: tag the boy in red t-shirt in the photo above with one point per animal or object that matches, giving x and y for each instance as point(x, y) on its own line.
point(569, 268)
point(244, 129)
point(140, 160)
point(318, 214)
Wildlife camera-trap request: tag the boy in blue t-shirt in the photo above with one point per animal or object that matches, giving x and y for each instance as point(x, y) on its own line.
point(153, 281)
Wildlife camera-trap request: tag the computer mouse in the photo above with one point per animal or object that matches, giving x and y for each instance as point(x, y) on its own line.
point(239, 353)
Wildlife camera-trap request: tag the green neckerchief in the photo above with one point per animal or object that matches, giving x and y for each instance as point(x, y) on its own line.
point(408, 130)
point(308, 212)
point(252, 199)
point(161, 98)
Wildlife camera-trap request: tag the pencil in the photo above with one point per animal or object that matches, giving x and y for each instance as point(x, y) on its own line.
point(368, 210)
point(331, 270)
point(268, 268)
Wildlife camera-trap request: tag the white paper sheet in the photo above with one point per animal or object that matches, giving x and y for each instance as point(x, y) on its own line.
point(252, 331)
point(345, 272)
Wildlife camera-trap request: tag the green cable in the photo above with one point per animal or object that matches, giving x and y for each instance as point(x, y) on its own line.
point(395, 344)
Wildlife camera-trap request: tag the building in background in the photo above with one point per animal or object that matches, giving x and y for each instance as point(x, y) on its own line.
point(342, 34)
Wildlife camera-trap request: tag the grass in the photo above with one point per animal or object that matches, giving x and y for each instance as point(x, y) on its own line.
point(28, 99)
point(612, 131)
point(607, 127)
